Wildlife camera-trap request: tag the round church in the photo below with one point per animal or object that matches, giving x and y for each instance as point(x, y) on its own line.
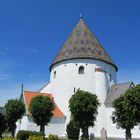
point(82, 63)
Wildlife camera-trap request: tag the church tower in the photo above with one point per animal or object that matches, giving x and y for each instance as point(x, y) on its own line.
point(81, 63)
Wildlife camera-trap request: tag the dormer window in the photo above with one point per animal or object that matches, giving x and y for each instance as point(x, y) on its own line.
point(81, 70)
point(54, 74)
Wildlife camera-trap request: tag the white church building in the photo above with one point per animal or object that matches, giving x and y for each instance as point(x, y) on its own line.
point(82, 63)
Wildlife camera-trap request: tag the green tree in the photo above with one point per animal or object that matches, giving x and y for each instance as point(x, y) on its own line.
point(14, 109)
point(127, 110)
point(83, 107)
point(72, 130)
point(41, 108)
point(2, 124)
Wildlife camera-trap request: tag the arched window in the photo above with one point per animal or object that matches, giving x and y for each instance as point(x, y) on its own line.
point(81, 70)
point(54, 74)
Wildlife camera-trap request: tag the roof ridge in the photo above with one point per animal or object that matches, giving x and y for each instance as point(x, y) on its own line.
point(38, 92)
point(124, 83)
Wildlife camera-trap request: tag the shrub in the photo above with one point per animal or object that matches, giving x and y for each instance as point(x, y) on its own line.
point(72, 130)
point(8, 138)
point(52, 137)
point(2, 124)
point(24, 135)
point(36, 138)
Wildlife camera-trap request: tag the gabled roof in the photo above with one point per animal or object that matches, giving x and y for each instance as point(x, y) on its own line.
point(117, 90)
point(82, 43)
point(28, 95)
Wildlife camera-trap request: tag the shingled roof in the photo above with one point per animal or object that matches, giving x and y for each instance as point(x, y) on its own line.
point(117, 90)
point(82, 43)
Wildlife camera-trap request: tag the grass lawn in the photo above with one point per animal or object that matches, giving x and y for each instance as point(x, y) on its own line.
point(94, 139)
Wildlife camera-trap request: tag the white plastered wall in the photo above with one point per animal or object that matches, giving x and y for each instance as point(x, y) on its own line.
point(56, 126)
point(67, 79)
point(62, 87)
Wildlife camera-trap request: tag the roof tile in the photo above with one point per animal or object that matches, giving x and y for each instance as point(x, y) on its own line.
point(28, 95)
point(82, 43)
point(116, 90)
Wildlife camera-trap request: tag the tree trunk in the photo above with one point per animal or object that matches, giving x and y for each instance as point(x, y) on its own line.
point(13, 133)
point(0, 134)
point(128, 134)
point(85, 133)
point(42, 128)
point(13, 130)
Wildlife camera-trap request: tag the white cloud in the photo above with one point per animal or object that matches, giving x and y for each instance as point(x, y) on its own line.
point(30, 51)
point(4, 76)
point(4, 51)
point(4, 67)
point(6, 48)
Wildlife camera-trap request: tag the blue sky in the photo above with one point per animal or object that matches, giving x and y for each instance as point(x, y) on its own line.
point(32, 32)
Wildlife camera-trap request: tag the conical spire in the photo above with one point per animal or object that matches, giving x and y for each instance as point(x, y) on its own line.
point(81, 43)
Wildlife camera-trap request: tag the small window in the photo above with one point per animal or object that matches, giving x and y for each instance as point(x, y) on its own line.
point(54, 74)
point(74, 90)
point(81, 70)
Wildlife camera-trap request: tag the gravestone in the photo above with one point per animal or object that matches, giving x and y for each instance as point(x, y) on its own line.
point(103, 134)
point(92, 137)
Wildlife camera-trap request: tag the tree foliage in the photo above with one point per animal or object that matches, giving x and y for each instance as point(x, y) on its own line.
point(2, 124)
point(127, 110)
point(73, 130)
point(83, 107)
point(41, 108)
point(14, 109)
